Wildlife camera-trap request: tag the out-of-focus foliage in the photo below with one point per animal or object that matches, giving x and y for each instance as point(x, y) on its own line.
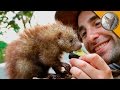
point(2, 50)
point(23, 16)
point(9, 21)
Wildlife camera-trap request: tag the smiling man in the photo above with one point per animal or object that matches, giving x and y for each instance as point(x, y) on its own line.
point(103, 45)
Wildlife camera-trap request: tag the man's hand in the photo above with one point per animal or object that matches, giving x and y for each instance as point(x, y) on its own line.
point(90, 66)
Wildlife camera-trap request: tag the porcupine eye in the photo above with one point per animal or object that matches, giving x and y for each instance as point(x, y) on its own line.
point(71, 40)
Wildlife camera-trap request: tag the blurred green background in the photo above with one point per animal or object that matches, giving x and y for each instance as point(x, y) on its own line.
point(2, 50)
point(9, 21)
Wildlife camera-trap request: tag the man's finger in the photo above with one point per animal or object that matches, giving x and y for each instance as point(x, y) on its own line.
point(79, 74)
point(85, 67)
point(96, 61)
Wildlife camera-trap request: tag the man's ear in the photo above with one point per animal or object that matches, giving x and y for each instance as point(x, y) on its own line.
point(59, 35)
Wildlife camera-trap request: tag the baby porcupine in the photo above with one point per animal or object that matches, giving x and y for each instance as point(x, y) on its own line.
point(38, 49)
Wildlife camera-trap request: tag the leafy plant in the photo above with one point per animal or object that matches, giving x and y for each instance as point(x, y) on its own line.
point(23, 16)
point(2, 50)
point(8, 20)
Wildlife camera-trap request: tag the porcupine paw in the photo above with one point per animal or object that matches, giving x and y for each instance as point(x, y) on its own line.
point(66, 71)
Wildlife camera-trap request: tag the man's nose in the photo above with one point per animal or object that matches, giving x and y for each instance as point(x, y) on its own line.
point(93, 36)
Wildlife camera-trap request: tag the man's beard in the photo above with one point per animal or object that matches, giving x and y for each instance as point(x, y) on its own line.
point(115, 60)
point(115, 57)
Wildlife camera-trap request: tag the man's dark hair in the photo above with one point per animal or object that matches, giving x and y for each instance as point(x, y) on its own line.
point(69, 18)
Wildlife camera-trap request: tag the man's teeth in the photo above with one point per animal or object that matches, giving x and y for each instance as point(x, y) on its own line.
point(100, 46)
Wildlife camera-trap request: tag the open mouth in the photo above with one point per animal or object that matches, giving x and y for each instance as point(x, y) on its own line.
point(100, 48)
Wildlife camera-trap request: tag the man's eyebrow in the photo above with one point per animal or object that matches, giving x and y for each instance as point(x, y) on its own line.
point(90, 20)
point(93, 18)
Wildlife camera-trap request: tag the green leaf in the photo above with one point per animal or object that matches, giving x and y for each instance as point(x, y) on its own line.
point(1, 33)
point(2, 44)
point(18, 16)
point(16, 28)
point(28, 13)
point(11, 22)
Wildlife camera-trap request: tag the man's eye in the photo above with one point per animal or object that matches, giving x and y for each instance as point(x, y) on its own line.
point(98, 24)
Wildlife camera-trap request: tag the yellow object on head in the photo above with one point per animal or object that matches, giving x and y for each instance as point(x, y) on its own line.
point(117, 29)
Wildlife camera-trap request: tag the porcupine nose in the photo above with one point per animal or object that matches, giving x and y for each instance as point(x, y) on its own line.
point(78, 45)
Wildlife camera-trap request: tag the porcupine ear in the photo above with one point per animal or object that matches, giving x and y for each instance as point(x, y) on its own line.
point(59, 40)
point(59, 35)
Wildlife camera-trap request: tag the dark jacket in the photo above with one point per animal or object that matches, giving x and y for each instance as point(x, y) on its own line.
point(115, 70)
